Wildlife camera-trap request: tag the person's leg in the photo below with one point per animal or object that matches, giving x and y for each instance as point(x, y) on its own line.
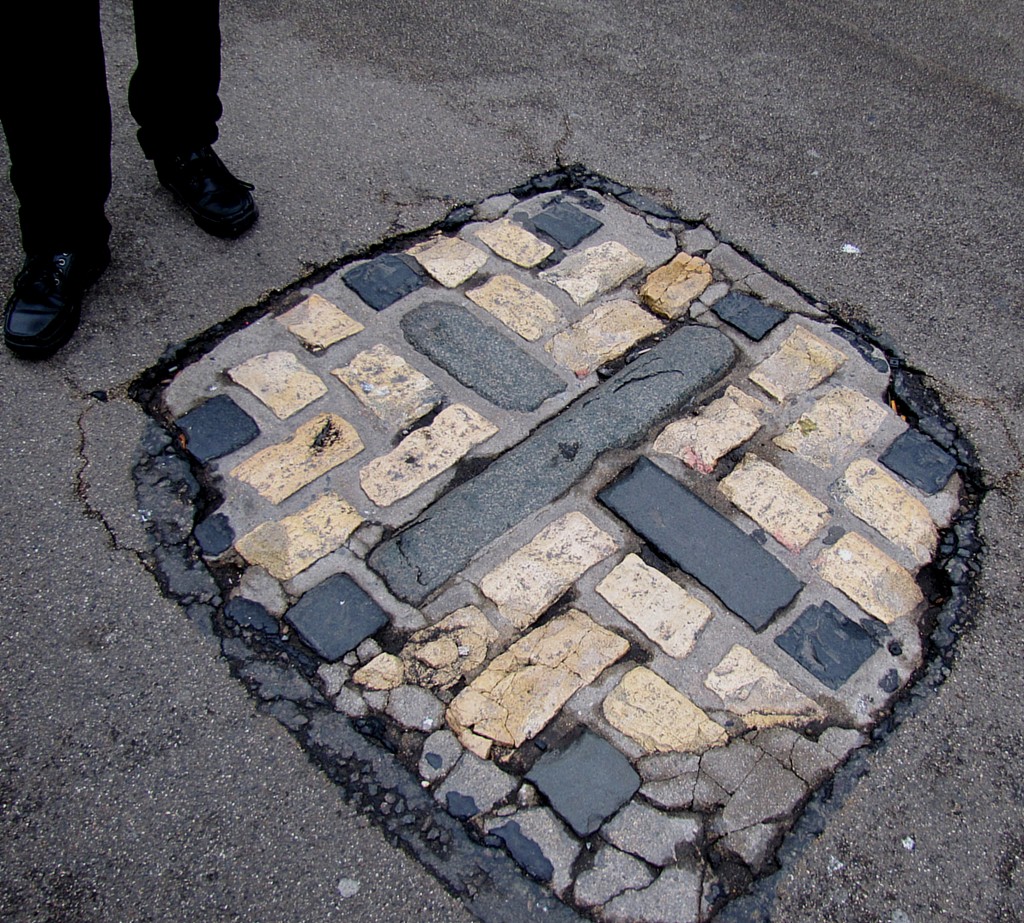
point(173, 97)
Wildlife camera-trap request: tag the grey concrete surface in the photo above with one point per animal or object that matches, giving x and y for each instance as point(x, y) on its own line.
point(137, 782)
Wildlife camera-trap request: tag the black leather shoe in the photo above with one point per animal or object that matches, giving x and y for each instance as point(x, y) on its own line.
point(220, 203)
point(46, 305)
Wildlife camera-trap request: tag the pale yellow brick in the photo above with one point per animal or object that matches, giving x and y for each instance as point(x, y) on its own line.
point(669, 290)
point(594, 271)
point(872, 579)
point(384, 672)
point(520, 691)
point(883, 503)
point(513, 243)
point(316, 447)
point(800, 363)
point(288, 546)
point(424, 454)
point(790, 514)
point(524, 585)
point(604, 334)
point(449, 260)
point(702, 440)
point(278, 379)
point(839, 421)
point(318, 323)
point(746, 401)
point(755, 692)
point(662, 609)
point(451, 650)
point(390, 387)
point(519, 307)
point(658, 717)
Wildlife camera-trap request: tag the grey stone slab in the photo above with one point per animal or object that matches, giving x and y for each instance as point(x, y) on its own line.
point(480, 357)
point(612, 873)
point(335, 616)
point(586, 782)
point(565, 224)
point(251, 614)
point(479, 780)
point(382, 281)
point(748, 315)
point(441, 751)
point(827, 644)
point(415, 708)
point(770, 792)
point(217, 427)
point(729, 766)
point(742, 574)
point(556, 843)
point(617, 414)
point(915, 458)
point(653, 835)
point(673, 898)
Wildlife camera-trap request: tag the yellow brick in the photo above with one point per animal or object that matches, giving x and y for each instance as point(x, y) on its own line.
point(517, 306)
point(800, 363)
point(449, 260)
point(278, 379)
point(669, 290)
point(513, 243)
point(389, 386)
point(318, 323)
point(594, 271)
point(702, 440)
point(315, 448)
point(603, 335)
point(839, 421)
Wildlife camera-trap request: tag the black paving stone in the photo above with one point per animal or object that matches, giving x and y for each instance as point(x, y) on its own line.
point(748, 315)
point(381, 282)
point(586, 783)
point(619, 413)
point(480, 357)
point(566, 224)
point(215, 534)
point(525, 851)
point(335, 616)
point(217, 427)
point(915, 458)
point(251, 614)
point(747, 578)
point(827, 644)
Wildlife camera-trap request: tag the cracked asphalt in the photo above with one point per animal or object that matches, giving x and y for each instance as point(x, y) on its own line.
point(871, 155)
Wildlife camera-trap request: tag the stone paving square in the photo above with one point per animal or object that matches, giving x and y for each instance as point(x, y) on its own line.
point(280, 380)
point(565, 224)
point(449, 260)
point(827, 644)
point(318, 323)
point(216, 428)
point(606, 333)
point(514, 243)
point(383, 281)
point(588, 273)
point(748, 315)
point(801, 362)
point(671, 288)
point(389, 386)
point(520, 308)
point(335, 616)
point(917, 459)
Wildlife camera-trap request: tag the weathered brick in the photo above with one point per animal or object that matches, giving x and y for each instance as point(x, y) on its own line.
point(669, 290)
point(316, 447)
point(450, 650)
point(389, 386)
point(664, 611)
point(801, 362)
point(278, 379)
point(384, 672)
point(604, 334)
point(701, 441)
point(872, 579)
point(594, 271)
point(449, 260)
point(318, 323)
point(884, 504)
point(519, 307)
point(661, 719)
point(521, 690)
point(288, 546)
point(525, 584)
point(839, 421)
point(424, 454)
point(513, 243)
point(775, 502)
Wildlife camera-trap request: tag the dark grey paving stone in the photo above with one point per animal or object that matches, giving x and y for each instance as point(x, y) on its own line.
point(381, 282)
point(566, 224)
point(642, 203)
point(335, 616)
point(461, 806)
point(250, 614)
point(480, 357)
point(619, 413)
point(525, 851)
point(586, 783)
point(214, 534)
point(217, 427)
point(915, 458)
point(827, 644)
point(748, 315)
point(743, 575)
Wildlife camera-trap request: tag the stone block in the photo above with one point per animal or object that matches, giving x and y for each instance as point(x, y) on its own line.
point(612, 873)
point(315, 447)
point(771, 792)
point(838, 422)
point(565, 224)
point(748, 315)
point(519, 307)
point(674, 898)
point(658, 717)
point(588, 273)
point(800, 363)
point(389, 386)
point(424, 454)
point(827, 644)
point(280, 381)
point(918, 460)
point(603, 335)
point(288, 546)
point(702, 440)
point(449, 260)
point(669, 290)
point(318, 323)
point(872, 579)
point(452, 650)
point(441, 751)
point(514, 243)
point(415, 709)
point(539, 830)
point(658, 838)
point(383, 281)
point(790, 514)
point(214, 534)
point(335, 616)
point(384, 672)
point(215, 428)
point(663, 610)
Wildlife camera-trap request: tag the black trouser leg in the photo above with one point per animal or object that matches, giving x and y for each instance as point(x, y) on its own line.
point(173, 92)
point(56, 116)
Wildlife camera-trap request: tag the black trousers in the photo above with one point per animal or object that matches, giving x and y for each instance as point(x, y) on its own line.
point(56, 112)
